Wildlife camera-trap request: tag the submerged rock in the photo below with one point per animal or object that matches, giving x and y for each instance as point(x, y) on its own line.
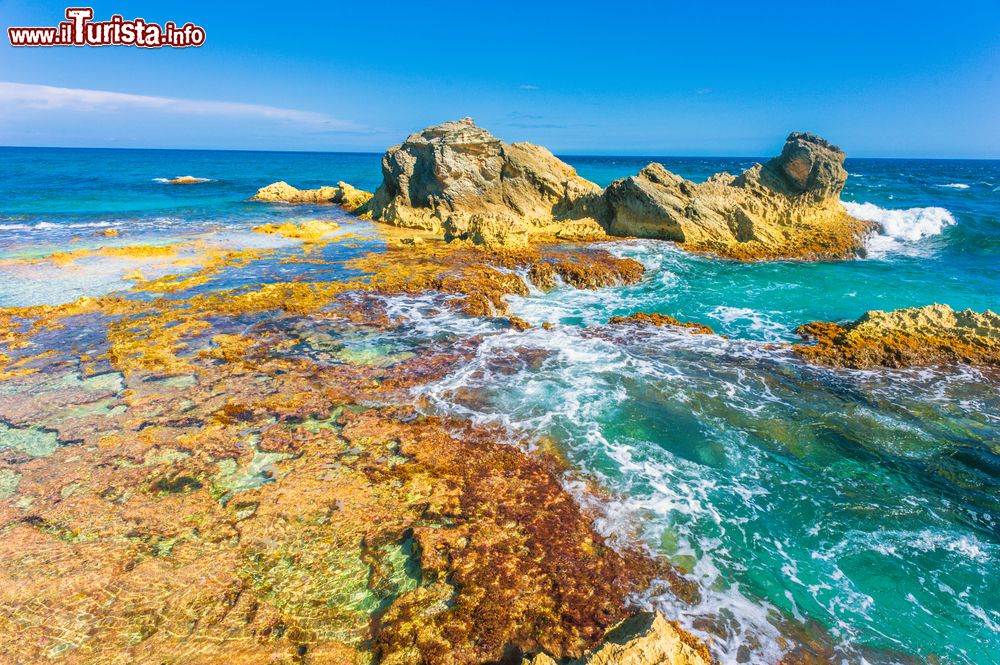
point(934, 334)
point(787, 208)
point(460, 179)
point(309, 231)
point(645, 639)
point(350, 197)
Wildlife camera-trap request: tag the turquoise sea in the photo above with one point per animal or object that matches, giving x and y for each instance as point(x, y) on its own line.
point(860, 505)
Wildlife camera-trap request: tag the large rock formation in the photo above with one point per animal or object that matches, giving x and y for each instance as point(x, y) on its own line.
point(645, 639)
point(789, 207)
point(459, 179)
point(929, 335)
point(350, 197)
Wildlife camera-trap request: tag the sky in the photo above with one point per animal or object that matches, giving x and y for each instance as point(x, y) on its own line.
point(880, 79)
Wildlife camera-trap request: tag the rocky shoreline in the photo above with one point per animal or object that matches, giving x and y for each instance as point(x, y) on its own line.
point(219, 475)
point(458, 183)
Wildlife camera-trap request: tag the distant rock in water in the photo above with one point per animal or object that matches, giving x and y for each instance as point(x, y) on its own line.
point(182, 180)
point(918, 336)
point(787, 208)
point(459, 179)
point(351, 198)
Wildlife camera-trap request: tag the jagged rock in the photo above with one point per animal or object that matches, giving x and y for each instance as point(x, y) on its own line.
point(645, 639)
point(351, 198)
point(789, 207)
point(810, 165)
point(460, 179)
point(934, 334)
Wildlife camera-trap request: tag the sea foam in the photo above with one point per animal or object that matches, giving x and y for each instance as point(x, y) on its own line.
point(899, 228)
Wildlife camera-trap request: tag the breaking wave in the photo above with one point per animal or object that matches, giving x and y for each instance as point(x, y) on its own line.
point(900, 227)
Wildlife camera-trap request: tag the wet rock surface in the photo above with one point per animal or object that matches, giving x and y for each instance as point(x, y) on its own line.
point(935, 334)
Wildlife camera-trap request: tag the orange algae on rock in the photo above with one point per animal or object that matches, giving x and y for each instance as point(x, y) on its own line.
point(935, 334)
point(654, 319)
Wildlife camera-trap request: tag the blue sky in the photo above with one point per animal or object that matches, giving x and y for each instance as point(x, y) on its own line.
point(890, 79)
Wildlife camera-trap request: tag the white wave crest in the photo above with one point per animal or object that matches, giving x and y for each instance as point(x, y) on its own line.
point(900, 227)
point(41, 226)
point(955, 185)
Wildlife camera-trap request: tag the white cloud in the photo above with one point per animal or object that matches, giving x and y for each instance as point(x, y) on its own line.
point(46, 97)
point(527, 86)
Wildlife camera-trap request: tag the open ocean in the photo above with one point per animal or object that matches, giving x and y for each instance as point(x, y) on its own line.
point(861, 504)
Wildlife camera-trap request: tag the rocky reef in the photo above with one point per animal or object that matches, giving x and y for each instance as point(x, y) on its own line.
point(787, 208)
point(240, 475)
point(458, 179)
point(351, 198)
point(935, 334)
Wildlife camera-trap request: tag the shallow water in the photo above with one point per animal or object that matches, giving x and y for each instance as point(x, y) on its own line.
point(862, 503)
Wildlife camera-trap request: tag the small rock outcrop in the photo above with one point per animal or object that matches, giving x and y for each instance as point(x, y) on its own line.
point(645, 639)
point(787, 208)
point(183, 180)
point(458, 179)
point(351, 198)
point(660, 320)
point(917, 336)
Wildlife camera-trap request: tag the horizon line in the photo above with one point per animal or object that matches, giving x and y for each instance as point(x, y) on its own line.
point(563, 154)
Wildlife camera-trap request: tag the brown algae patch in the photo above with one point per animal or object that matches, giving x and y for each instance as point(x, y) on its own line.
point(380, 534)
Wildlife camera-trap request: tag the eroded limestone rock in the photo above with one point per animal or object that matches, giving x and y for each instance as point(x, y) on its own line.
point(460, 179)
point(645, 639)
point(787, 208)
point(916, 336)
point(350, 197)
